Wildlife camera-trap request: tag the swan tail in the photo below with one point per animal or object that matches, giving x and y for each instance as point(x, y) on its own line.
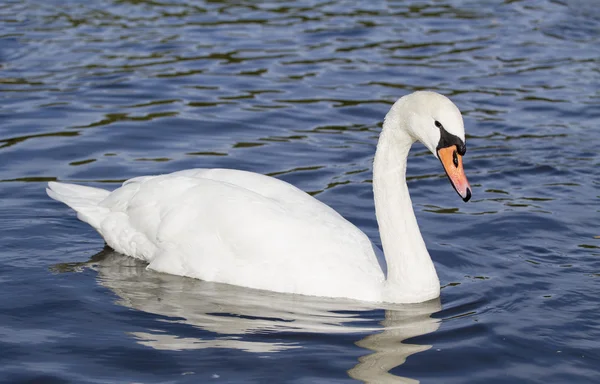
point(84, 200)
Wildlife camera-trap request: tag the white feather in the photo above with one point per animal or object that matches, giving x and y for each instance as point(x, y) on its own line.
point(256, 231)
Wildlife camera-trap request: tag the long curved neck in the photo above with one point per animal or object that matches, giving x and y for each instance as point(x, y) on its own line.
point(411, 275)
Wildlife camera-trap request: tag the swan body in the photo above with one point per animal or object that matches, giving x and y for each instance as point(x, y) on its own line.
point(252, 230)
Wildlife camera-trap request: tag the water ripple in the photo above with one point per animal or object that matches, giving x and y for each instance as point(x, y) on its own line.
point(103, 91)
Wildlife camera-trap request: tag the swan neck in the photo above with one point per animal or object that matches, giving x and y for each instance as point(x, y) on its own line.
point(411, 275)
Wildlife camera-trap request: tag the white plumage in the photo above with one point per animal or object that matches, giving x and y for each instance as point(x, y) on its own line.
point(230, 226)
point(256, 231)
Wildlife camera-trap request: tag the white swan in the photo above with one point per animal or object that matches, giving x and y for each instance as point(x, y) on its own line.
point(256, 231)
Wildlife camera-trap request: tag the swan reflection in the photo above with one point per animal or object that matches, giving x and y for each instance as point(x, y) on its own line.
point(230, 312)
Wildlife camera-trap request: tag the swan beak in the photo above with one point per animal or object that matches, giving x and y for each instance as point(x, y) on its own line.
point(453, 165)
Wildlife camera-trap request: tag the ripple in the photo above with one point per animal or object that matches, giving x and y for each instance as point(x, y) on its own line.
point(298, 90)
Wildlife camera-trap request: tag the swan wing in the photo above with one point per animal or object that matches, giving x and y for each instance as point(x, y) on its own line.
point(240, 228)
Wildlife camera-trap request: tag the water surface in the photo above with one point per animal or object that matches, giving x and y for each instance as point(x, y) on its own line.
point(99, 92)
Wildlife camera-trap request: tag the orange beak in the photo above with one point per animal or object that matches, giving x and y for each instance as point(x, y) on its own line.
point(453, 166)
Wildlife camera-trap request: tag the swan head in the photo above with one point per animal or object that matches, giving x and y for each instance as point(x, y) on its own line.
point(436, 122)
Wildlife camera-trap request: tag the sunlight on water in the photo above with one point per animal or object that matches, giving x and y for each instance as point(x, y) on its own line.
point(99, 92)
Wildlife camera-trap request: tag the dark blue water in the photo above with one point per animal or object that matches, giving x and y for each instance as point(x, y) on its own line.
point(99, 92)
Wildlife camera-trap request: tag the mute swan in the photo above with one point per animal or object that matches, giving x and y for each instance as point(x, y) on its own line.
point(255, 231)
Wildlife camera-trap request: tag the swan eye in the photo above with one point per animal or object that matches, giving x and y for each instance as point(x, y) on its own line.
point(455, 159)
point(438, 124)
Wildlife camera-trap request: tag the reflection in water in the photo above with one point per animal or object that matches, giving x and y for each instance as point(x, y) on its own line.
point(388, 349)
point(228, 312)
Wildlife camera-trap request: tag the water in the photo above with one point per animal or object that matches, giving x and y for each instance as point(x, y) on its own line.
point(99, 92)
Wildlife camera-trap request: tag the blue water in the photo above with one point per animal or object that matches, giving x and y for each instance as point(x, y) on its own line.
point(99, 92)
